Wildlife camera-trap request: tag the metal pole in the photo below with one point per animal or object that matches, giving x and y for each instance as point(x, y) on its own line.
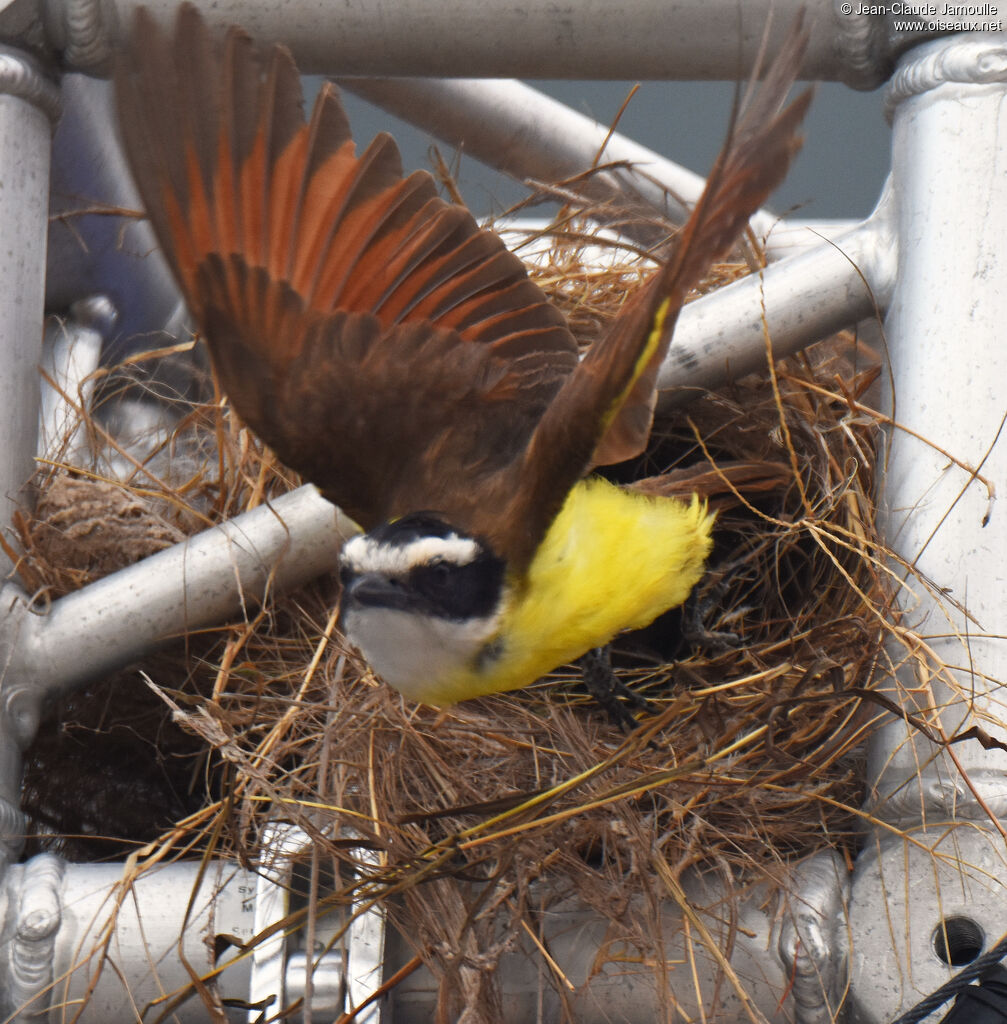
point(943, 886)
point(520, 131)
point(175, 919)
point(528, 135)
point(696, 39)
point(796, 301)
point(789, 958)
point(73, 942)
point(28, 103)
point(92, 252)
point(71, 352)
point(949, 368)
point(202, 581)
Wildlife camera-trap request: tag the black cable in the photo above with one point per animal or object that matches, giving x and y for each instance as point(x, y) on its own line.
point(957, 984)
point(985, 1003)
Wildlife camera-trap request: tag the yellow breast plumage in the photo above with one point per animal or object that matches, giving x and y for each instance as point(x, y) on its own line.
point(613, 559)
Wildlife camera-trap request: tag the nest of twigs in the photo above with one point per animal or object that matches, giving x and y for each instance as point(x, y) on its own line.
point(748, 762)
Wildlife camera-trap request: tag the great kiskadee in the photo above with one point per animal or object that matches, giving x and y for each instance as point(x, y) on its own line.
point(399, 357)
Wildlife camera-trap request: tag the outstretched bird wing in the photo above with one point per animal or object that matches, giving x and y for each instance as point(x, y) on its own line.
point(604, 409)
point(380, 342)
point(340, 300)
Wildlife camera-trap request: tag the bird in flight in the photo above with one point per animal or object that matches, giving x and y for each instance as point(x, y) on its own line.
point(397, 355)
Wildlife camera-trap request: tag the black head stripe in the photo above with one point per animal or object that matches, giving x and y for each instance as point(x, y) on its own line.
point(413, 527)
point(439, 570)
point(460, 592)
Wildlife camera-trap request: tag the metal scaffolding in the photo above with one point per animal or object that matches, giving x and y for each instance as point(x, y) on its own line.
point(930, 260)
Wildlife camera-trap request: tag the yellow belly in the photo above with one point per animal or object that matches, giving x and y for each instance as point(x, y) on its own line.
point(612, 560)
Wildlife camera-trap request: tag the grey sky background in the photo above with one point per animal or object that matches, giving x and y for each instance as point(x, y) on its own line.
point(839, 173)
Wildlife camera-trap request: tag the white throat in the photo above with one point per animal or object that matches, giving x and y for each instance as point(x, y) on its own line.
point(420, 655)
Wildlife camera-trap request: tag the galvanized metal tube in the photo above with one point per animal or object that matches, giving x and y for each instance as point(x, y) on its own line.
point(836, 276)
point(930, 894)
point(594, 39)
point(71, 351)
point(764, 953)
point(32, 930)
point(202, 581)
point(520, 131)
point(590, 39)
point(528, 135)
point(795, 302)
point(175, 922)
point(785, 946)
point(909, 893)
point(91, 252)
point(945, 335)
point(28, 101)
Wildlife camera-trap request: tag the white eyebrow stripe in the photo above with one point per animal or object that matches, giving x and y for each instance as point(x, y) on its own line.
point(363, 554)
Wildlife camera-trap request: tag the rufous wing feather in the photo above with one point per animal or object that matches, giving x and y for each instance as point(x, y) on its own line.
point(604, 409)
point(278, 233)
point(326, 405)
point(761, 144)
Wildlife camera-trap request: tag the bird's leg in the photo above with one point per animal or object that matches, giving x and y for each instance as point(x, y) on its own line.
point(608, 690)
point(694, 630)
point(710, 594)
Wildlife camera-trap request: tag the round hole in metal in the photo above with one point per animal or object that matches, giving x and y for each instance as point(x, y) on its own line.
point(958, 941)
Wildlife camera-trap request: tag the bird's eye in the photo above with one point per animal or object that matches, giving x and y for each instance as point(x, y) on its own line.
point(438, 575)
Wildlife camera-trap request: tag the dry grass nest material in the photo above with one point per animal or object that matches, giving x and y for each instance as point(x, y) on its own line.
point(748, 763)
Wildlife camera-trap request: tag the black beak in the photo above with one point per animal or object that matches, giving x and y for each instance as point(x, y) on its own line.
point(373, 590)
